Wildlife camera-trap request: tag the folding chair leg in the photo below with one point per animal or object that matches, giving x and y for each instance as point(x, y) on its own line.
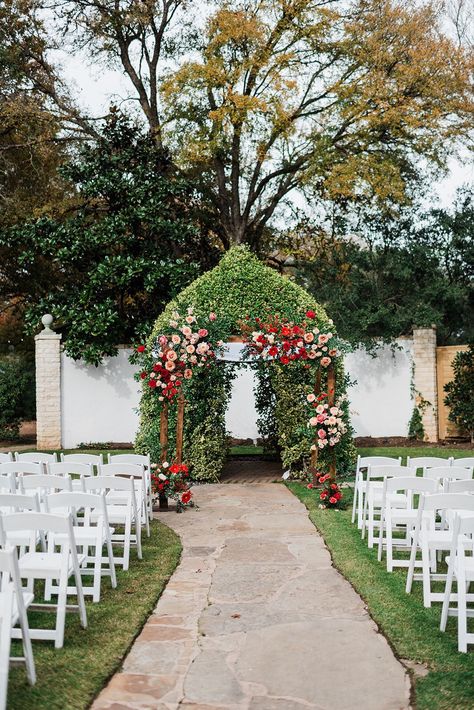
point(126, 545)
point(447, 596)
point(354, 502)
point(389, 548)
point(425, 563)
point(462, 617)
point(138, 529)
point(110, 555)
point(411, 567)
point(61, 612)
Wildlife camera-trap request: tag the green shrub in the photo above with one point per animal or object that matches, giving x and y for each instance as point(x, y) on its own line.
point(416, 430)
point(239, 286)
point(17, 395)
point(460, 391)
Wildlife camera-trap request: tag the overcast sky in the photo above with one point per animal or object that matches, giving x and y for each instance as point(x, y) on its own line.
point(97, 87)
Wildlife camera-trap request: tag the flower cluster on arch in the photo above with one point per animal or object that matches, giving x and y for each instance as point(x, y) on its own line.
point(285, 342)
point(327, 420)
point(177, 354)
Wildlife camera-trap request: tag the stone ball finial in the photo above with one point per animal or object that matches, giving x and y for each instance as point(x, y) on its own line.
point(47, 321)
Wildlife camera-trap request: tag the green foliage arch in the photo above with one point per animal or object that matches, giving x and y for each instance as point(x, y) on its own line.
point(239, 286)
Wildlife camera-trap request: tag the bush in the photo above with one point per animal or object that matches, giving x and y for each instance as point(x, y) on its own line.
point(239, 286)
point(460, 391)
point(17, 395)
point(416, 430)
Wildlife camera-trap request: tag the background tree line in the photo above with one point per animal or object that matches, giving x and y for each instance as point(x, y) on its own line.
point(355, 105)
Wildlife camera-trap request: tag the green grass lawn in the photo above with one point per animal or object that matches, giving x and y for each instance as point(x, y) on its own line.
point(69, 678)
point(412, 630)
point(443, 451)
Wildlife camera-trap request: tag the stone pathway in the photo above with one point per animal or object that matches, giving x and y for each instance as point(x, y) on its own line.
point(256, 618)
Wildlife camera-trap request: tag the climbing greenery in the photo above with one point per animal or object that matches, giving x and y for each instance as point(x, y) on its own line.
point(238, 287)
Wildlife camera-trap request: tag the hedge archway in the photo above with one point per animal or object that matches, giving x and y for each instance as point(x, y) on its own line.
point(238, 287)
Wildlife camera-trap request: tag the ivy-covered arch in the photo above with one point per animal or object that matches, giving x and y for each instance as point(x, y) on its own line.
point(239, 287)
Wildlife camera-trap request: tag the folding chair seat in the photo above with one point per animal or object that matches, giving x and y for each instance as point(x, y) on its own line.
point(461, 571)
point(135, 472)
point(393, 518)
point(14, 503)
point(13, 604)
point(121, 510)
point(430, 540)
point(70, 469)
point(360, 484)
point(50, 565)
point(87, 535)
point(19, 470)
point(374, 496)
point(141, 460)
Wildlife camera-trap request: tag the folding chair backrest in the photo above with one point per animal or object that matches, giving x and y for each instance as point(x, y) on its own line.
point(22, 468)
point(46, 483)
point(427, 461)
point(6, 457)
point(94, 459)
point(448, 472)
point(414, 484)
point(70, 467)
point(10, 502)
point(464, 462)
point(36, 457)
point(460, 486)
point(448, 501)
point(109, 483)
point(77, 501)
point(33, 521)
point(131, 470)
point(365, 461)
point(388, 471)
point(140, 459)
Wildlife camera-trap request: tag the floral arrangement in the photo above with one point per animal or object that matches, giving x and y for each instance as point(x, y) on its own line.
point(328, 419)
point(286, 342)
point(330, 495)
point(178, 353)
point(173, 482)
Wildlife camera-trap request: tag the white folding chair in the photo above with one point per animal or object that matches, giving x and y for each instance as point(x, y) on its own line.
point(429, 540)
point(393, 518)
point(374, 493)
point(121, 510)
point(45, 485)
point(13, 605)
point(360, 484)
point(443, 474)
point(6, 457)
point(7, 482)
point(14, 503)
point(460, 570)
point(70, 469)
point(94, 459)
point(460, 486)
point(141, 460)
point(136, 472)
point(18, 470)
point(427, 462)
point(88, 534)
point(49, 565)
point(36, 457)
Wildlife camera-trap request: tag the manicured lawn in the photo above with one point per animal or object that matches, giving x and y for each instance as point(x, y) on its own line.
point(442, 451)
point(412, 630)
point(71, 677)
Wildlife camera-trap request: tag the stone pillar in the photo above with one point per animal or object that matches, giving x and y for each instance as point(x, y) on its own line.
point(48, 386)
point(426, 391)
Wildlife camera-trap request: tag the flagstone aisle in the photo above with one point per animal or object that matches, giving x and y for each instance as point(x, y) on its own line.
point(256, 618)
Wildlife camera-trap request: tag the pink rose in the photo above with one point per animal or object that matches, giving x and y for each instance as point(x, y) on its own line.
point(170, 366)
point(163, 340)
point(188, 374)
point(186, 331)
point(202, 332)
point(325, 361)
point(171, 355)
point(308, 337)
point(212, 316)
point(320, 408)
point(321, 418)
point(313, 421)
point(322, 433)
point(311, 397)
point(323, 339)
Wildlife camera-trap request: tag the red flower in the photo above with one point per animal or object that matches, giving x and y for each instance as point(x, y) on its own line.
point(338, 495)
point(323, 495)
point(286, 346)
point(296, 329)
point(152, 383)
point(285, 331)
point(310, 485)
point(333, 500)
point(284, 360)
point(310, 314)
point(186, 497)
point(273, 351)
point(143, 375)
point(141, 349)
point(334, 486)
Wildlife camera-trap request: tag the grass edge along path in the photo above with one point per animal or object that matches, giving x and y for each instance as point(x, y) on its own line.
point(71, 677)
point(411, 630)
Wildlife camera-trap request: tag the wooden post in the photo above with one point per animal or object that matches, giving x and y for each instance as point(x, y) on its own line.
point(163, 500)
point(313, 465)
point(179, 428)
point(331, 398)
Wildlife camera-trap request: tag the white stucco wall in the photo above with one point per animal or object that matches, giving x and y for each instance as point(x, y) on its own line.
point(98, 403)
point(381, 404)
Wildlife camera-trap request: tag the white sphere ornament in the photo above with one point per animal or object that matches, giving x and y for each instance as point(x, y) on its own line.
point(47, 321)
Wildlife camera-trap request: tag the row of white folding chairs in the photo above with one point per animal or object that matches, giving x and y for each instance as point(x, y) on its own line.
point(425, 535)
point(92, 460)
point(23, 470)
point(25, 527)
point(425, 462)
